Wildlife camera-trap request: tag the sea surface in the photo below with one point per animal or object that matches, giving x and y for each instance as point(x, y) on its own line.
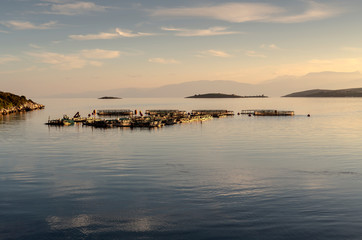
point(230, 178)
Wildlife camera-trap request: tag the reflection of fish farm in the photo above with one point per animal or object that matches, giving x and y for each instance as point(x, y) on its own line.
point(152, 118)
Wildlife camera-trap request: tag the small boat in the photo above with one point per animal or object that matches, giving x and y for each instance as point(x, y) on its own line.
point(65, 121)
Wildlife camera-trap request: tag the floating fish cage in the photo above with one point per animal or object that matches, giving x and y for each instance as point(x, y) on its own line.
point(214, 113)
point(115, 112)
point(163, 113)
point(268, 112)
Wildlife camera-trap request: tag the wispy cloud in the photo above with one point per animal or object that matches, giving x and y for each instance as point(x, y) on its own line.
point(214, 53)
point(231, 12)
point(98, 36)
point(315, 11)
point(21, 25)
point(111, 35)
point(270, 46)
point(129, 34)
point(254, 54)
point(8, 58)
point(87, 57)
point(163, 61)
point(34, 46)
point(100, 54)
point(72, 8)
point(214, 31)
point(250, 12)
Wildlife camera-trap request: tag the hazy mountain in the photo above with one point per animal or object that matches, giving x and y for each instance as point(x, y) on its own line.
point(276, 87)
point(323, 80)
point(177, 90)
point(350, 92)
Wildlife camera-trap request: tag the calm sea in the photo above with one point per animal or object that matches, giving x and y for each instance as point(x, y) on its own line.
point(231, 178)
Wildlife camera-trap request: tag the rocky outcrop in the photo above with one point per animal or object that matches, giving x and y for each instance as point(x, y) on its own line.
point(11, 103)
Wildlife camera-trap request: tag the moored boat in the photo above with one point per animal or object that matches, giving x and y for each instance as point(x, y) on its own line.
point(65, 121)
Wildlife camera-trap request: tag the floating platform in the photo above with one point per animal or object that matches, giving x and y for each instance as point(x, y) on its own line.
point(115, 112)
point(163, 113)
point(213, 113)
point(268, 112)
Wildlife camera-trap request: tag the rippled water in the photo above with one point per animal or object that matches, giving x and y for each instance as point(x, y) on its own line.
point(230, 178)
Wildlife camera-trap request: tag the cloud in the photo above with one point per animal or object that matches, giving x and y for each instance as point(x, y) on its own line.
point(231, 12)
point(249, 12)
point(214, 53)
point(163, 61)
point(78, 60)
point(112, 35)
point(73, 8)
point(61, 61)
point(254, 54)
point(20, 25)
point(270, 47)
point(99, 36)
point(214, 31)
point(100, 54)
point(128, 33)
point(316, 11)
point(8, 58)
point(34, 46)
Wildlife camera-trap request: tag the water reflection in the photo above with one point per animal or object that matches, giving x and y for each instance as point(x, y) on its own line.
point(88, 224)
point(232, 178)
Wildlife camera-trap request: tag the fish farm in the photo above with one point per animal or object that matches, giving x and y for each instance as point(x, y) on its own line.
point(128, 118)
point(153, 118)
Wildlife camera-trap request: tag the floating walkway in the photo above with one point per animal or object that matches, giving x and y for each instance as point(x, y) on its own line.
point(268, 112)
point(114, 112)
point(213, 113)
point(163, 113)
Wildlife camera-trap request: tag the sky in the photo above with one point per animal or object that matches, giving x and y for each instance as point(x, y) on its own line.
point(49, 47)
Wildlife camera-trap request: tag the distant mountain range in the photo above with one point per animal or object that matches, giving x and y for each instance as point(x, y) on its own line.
point(276, 87)
point(351, 92)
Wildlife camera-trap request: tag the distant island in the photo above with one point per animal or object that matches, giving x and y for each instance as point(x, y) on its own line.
point(109, 97)
point(350, 92)
point(11, 103)
point(222, 95)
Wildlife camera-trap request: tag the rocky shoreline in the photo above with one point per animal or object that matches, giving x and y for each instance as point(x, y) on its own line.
point(11, 103)
point(22, 108)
